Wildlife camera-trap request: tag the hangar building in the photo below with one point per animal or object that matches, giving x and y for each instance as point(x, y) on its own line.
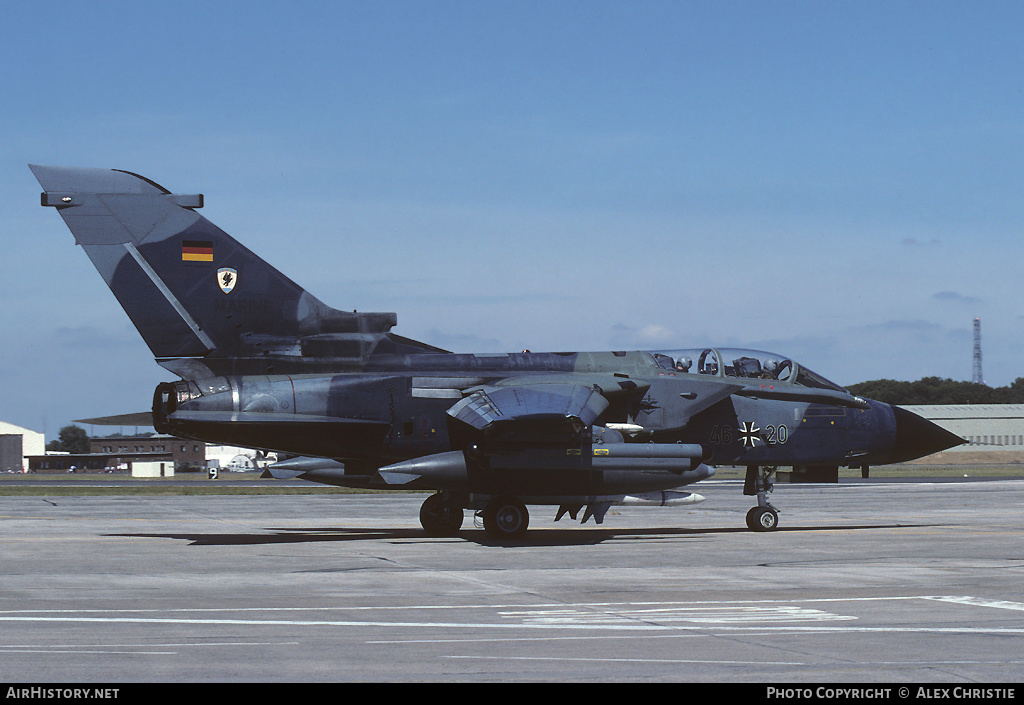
point(994, 433)
point(15, 444)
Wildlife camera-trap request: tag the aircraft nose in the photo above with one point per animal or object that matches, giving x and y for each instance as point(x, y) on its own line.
point(917, 437)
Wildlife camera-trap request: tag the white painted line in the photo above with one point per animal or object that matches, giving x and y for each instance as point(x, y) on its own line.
point(746, 616)
point(555, 605)
point(148, 646)
point(630, 660)
point(514, 639)
point(979, 602)
point(619, 626)
point(85, 651)
point(694, 614)
point(861, 664)
point(327, 623)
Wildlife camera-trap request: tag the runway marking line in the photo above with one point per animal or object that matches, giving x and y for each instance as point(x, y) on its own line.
point(765, 616)
point(979, 602)
point(628, 660)
point(84, 651)
point(142, 649)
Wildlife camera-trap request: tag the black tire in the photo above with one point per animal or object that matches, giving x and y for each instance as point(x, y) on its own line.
point(762, 519)
point(440, 517)
point(752, 519)
point(506, 518)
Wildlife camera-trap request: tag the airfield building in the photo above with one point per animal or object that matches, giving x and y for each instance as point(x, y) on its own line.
point(994, 433)
point(146, 455)
point(184, 453)
point(16, 443)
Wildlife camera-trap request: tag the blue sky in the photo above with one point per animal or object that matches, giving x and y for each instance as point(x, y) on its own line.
point(837, 181)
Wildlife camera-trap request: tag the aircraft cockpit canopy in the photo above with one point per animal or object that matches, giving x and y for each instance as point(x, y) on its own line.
point(748, 364)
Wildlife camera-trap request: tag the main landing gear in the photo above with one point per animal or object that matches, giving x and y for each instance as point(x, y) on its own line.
point(763, 517)
point(504, 517)
point(440, 515)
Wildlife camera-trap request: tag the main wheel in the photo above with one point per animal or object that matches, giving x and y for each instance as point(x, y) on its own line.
point(440, 517)
point(505, 518)
point(762, 519)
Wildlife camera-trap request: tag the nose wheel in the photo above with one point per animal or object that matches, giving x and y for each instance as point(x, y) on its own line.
point(763, 517)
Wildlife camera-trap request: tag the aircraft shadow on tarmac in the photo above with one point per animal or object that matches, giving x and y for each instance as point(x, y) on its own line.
point(536, 537)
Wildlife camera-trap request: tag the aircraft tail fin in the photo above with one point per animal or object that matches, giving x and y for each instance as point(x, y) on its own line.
point(197, 296)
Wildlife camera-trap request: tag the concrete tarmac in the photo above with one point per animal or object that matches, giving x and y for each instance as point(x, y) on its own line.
point(866, 581)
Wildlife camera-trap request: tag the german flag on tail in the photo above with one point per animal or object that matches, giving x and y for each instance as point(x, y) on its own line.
point(196, 251)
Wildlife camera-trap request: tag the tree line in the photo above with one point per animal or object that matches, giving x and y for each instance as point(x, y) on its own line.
point(934, 390)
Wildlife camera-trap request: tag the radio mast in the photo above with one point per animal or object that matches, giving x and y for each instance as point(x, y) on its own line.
point(978, 376)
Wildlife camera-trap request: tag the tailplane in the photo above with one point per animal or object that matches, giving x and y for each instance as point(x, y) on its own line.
point(204, 303)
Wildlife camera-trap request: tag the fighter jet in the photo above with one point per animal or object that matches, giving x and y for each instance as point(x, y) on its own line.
point(264, 364)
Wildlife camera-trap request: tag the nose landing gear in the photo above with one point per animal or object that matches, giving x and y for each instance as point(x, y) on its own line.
point(763, 517)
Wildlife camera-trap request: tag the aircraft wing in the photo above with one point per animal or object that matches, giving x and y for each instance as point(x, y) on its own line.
point(537, 409)
point(527, 408)
point(527, 436)
point(266, 418)
point(698, 397)
point(139, 418)
point(303, 434)
point(522, 431)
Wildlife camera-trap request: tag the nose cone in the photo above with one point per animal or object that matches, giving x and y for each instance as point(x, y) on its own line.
point(917, 437)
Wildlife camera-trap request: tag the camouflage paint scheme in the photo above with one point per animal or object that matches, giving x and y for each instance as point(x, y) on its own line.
point(264, 364)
